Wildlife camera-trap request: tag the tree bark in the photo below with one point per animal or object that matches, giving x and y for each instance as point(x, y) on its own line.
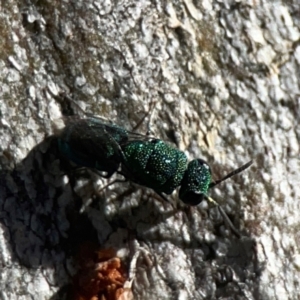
point(221, 80)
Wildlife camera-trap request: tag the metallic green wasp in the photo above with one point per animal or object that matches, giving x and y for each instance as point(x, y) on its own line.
point(108, 148)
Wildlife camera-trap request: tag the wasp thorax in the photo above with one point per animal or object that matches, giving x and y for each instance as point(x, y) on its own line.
point(195, 183)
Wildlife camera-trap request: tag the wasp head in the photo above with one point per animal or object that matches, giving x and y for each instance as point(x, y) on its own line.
point(195, 183)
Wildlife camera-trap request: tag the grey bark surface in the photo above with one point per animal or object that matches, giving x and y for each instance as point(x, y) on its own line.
point(224, 77)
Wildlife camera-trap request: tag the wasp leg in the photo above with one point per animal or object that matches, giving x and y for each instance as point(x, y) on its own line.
point(148, 113)
point(111, 183)
point(164, 197)
point(105, 175)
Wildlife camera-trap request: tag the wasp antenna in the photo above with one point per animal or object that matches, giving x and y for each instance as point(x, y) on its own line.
point(236, 171)
point(212, 201)
point(228, 222)
point(224, 215)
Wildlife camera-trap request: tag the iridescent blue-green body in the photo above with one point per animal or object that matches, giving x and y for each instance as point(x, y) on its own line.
point(163, 168)
point(154, 164)
point(106, 147)
point(196, 182)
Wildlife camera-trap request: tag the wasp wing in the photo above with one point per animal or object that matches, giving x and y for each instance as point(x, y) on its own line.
point(93, 143)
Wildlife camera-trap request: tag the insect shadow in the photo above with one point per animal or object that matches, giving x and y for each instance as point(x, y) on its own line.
point(41, 210)
point(107, 148)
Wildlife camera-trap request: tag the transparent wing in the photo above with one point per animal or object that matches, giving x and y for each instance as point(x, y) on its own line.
point(102, 127)
point(96, 139)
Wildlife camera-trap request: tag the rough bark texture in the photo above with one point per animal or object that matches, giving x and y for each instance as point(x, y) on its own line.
point(224, 76)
